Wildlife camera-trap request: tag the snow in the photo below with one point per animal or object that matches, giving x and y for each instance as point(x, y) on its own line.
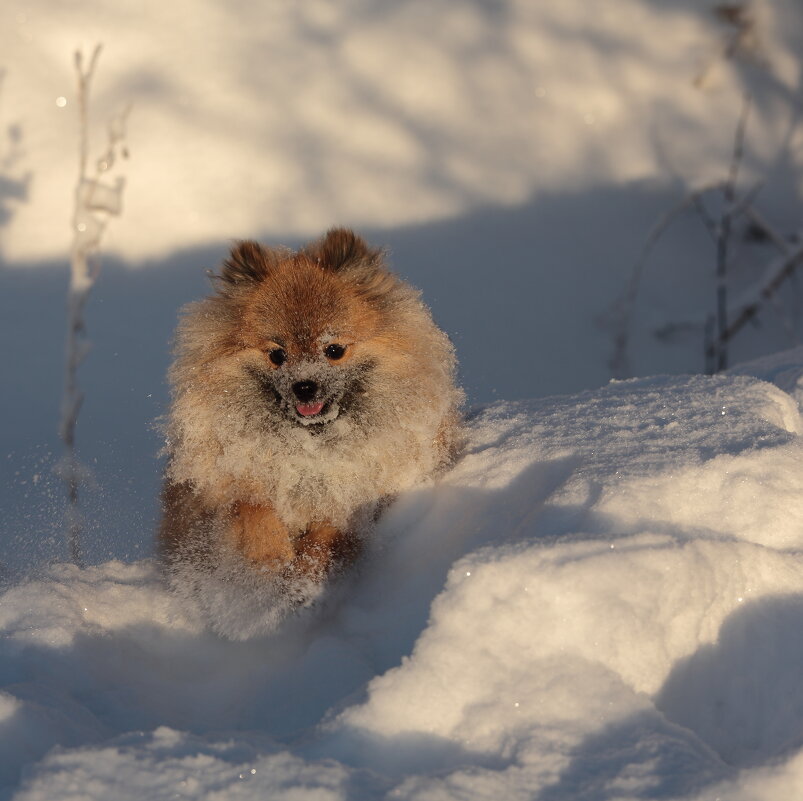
point(303, 109)
point(600, 600)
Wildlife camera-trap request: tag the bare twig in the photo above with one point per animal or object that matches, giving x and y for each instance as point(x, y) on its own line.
point(735, 207)
point(741, 43)
point(724, 235)
point(740, 40)
point(620, 316)
point(782, 270)
point(767, 229)
point(15, 182)
point(708, 340)
point(707, 219)
point(94, 202)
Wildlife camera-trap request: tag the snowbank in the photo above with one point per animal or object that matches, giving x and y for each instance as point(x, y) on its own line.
point(602, 600)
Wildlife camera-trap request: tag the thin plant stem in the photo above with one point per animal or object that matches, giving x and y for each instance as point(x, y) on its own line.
point(81, 279)
point(724, 231)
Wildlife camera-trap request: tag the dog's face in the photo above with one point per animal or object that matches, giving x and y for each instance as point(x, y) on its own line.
point(313, 391)
point(311, 328)
point(310, 343)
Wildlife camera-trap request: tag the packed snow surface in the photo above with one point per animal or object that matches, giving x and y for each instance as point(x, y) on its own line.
point(602, 600)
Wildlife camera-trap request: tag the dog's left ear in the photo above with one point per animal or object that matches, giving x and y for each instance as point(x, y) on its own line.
point(248, 263)
point(342, 249)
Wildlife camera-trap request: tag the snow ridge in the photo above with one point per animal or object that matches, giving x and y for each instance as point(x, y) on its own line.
point(601, 600)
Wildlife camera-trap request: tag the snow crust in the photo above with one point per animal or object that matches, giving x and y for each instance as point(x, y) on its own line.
point(601, 600)
point(634, 552)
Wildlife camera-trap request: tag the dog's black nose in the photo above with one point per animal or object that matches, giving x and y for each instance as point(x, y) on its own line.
point(305, 391)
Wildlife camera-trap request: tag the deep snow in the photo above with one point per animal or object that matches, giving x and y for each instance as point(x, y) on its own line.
point(601, 600)
point(630, 625)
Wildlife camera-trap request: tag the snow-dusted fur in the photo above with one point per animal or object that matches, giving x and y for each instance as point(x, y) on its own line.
point(234, 436)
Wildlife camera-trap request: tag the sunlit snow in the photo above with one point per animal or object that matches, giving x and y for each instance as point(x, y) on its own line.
point(604, 593)
point(602, 600)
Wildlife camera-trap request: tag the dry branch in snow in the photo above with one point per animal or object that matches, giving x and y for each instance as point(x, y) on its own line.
point(95, 201)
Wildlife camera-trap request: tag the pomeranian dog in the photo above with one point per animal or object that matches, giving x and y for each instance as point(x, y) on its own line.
point(309, 390)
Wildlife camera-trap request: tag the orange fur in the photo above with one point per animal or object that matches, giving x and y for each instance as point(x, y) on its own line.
point(309, 390)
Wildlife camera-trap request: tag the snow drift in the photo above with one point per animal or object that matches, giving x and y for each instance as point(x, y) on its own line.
point(602, 600)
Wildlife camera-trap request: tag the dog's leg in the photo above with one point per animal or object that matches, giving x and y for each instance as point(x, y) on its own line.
point(448, 441)
point(184, 515)
point(261, 536)
point(322, 546)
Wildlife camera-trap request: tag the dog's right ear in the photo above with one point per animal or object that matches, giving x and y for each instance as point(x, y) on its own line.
point(341, 250)
point(248, 263)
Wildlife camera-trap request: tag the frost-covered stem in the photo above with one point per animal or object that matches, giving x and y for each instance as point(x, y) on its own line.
point(721, 360)
point(784, 270)
point(81, 280)
point(710, 348)
point(772, 234)
point(623, 309)
point(71, 407)
point(723, 239)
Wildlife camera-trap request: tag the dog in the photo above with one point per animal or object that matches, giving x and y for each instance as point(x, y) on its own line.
point(308, 390)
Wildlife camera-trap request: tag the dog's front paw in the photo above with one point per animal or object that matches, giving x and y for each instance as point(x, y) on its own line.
point(261, 537)
point(323, 548)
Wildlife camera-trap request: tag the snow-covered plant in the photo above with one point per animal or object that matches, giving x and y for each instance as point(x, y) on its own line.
point(734, 209)
point(740, 40)
point(97, 198)
point(13, 182)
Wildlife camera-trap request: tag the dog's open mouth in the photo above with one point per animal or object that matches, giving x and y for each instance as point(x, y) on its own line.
point(316, 413)
point(310, 409)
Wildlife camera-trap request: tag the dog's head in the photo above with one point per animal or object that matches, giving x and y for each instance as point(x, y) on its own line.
point(310, 329)
point(313, 380)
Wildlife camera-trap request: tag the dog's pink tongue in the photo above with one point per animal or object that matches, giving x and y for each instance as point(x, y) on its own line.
point(309, 409)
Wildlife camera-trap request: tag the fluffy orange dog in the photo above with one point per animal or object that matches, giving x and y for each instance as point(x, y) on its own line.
point(310, 389)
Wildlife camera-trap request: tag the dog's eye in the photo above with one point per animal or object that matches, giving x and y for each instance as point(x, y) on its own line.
point(334, 351)
point(277, 356)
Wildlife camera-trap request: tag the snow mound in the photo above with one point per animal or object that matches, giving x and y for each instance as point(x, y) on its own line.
point(601, 600)
point(167, 764)
point(784, 369)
